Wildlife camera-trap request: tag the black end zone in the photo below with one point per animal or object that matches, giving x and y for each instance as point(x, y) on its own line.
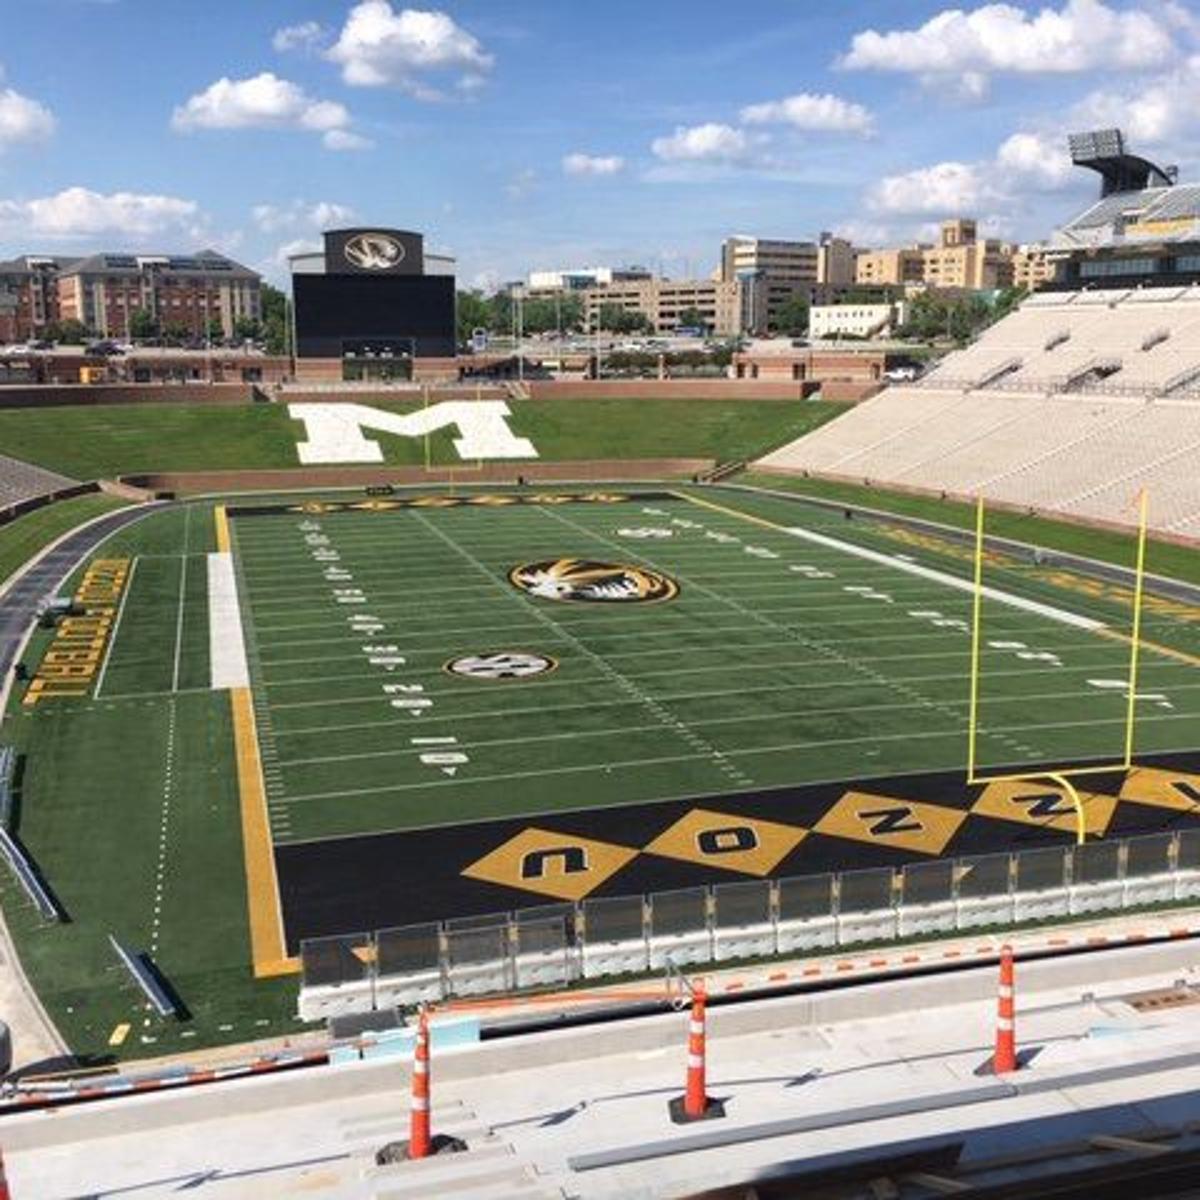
point(375, 881)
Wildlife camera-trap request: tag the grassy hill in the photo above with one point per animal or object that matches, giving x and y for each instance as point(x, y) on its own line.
point(100, 442)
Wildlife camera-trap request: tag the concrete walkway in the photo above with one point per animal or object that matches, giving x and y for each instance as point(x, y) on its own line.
point(878, 1063)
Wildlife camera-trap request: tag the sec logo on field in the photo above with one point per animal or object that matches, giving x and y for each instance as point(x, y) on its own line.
point(581, 579)
point(502, 664)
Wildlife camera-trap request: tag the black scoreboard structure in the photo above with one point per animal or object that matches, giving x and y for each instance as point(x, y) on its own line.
point(365, 308)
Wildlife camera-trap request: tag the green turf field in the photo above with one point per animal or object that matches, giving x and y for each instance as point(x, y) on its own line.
point(105, 441)
point(780, 661)
point(785, 656)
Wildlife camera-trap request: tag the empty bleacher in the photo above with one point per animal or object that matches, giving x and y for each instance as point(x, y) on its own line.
point(1071, 404)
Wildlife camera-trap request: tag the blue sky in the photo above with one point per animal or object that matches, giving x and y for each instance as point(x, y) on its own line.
point(546, 133)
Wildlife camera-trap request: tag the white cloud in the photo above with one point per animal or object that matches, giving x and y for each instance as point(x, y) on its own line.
point(1155, 111)
point(380, 47)
point(296, 246)
point(307, 37)
point(711, 142)
point(945, 188)
point(323, 214)
point(591, 164)
point(23, 119)
point(344, 139)
point(1082, 35)
point(262, 102)
point(1037, 160)
point(80, 212)
point(812, 112)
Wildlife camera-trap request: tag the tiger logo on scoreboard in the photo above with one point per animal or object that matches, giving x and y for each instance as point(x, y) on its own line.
point(584, 580)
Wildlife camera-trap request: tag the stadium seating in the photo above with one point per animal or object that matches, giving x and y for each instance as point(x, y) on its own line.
point(1072, 404)
point(21, 481)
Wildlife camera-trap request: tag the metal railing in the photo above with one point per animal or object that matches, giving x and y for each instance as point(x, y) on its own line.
point(558, 944)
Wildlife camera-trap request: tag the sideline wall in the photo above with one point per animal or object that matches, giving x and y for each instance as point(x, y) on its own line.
point(50, 395)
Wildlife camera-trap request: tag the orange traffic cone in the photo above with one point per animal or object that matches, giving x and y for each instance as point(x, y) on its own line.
point(420, 1144)
point(695, 1104)
point(1005, 1058)
point(4, 1192)
point(695, 1101)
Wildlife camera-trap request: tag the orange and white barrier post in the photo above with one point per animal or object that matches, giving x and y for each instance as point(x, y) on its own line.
point(420, 1144)
point(1005, 1058)
point(695, 1100)
point(4, 1192)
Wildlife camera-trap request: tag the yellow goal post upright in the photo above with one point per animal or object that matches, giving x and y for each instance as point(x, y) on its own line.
point(1060, 776)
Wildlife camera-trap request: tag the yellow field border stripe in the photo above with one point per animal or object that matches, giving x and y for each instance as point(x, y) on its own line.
point(222, 519)
point(262, 888)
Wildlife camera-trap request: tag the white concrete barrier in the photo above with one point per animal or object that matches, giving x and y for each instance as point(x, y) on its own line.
point(421, 987)
point(811, 933)
point(615, 958)
point(745, 941)
point(985, 910)
point(478, 979)
point(875, 925)
point(1041, 906)
point(1187, 884)
point(325, 1003)
point(928, 918)
point(680, 948)
point(1149, 889)
point(1096, 897)
point(544, 968)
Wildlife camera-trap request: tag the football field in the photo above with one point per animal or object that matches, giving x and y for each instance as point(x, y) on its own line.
point(466, 705)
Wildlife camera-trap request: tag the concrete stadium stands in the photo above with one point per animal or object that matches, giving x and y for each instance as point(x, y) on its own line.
point(21, 481)
point(1072, 404)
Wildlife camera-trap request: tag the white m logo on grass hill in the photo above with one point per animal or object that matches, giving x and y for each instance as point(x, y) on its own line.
point(335, 430)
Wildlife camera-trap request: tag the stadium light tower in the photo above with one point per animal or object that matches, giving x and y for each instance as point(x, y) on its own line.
point(1103, 151)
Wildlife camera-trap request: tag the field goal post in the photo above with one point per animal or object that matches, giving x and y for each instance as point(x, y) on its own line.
point(477, 468)
point(1060, 776)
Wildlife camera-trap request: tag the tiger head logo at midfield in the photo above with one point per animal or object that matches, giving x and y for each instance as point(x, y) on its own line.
point(580, 579)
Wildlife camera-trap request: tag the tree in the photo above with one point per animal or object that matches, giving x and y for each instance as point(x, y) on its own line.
point(142, 324)
point(472, 312)
point(613, 318)
point(247, 329)
point(791, 318)
point(692, 318)
point(215, 330)
point(276, 328)
point(69, 332)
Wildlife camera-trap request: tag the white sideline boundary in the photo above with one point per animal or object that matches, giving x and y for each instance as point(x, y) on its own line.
point(226, 643)
point(951, 581)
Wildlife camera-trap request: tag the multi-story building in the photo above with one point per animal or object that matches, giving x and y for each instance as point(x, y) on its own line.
point(1032, 267)
point(890, 268)
point(583, 277)
point(772, 272)
point(960, 261)
point(835, 261)
point(664, 301)
point(190, 292)
point(29, 295)
point(856, 320)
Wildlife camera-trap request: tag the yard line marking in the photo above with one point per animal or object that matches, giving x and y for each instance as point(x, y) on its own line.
point(849, 708)
point(619, 764)
point(666, 719)
point(112, 641)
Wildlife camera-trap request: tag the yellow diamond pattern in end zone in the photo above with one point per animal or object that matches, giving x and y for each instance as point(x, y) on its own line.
point(716, 839)
point(887, 821)
point(548, 863)
point(1045, 804)
point(1162, 789)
